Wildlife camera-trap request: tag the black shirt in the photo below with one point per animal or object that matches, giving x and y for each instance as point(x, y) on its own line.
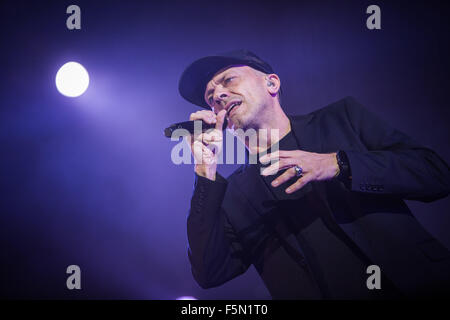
point(303, 231)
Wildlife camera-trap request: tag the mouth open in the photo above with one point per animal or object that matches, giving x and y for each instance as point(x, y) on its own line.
point(232, 107)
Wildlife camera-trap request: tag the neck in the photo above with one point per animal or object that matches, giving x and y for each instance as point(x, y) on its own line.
point(268, 132)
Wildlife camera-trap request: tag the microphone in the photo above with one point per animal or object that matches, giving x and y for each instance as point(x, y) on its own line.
point(189, 126)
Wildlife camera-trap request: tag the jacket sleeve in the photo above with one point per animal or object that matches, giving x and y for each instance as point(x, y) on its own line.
point(214, 252)
point(394, 163)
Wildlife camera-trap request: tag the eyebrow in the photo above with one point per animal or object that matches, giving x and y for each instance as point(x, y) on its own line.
point(210, 90)
point(220, 81)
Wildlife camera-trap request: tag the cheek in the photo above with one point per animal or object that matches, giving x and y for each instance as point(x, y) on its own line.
point(254, 97)
point(252, 92)
point(257, 92)
point(249, 94)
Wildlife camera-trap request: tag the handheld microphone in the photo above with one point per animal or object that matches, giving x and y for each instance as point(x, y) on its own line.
point(189, 126)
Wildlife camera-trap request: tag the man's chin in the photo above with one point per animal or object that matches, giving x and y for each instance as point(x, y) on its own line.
point(242, 120)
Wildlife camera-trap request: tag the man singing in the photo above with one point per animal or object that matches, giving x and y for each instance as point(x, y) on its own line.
point(315, 216)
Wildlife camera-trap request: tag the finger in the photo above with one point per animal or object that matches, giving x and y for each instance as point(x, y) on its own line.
point(206, 138)
point(202, 153)
point(283, 154)
point(196, 137)
point(270, 157)
point(208, 154)
point(201, 114)
point(220, 119)
point(191, 139)
point(286, 176)
point(205, 115)
point(188, 139)
point(279, 165)
point(212, 136)
point(280, 154)
point(300, 183)
point(197, 151)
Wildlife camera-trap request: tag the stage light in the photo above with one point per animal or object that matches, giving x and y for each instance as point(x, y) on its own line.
point(72, 79)
point(186, 298)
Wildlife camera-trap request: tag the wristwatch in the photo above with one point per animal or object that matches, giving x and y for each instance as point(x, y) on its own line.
point(344, 168)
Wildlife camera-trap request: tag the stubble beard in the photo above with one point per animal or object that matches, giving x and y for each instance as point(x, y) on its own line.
point(252, 118)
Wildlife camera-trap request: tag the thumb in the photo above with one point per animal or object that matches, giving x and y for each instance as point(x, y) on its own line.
point(220, 119)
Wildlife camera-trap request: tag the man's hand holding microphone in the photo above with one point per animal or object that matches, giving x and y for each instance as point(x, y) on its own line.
point(207, 146)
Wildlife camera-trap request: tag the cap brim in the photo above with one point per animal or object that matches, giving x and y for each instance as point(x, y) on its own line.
point(194, 79)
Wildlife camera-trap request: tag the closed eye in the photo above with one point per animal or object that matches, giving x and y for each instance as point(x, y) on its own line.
point(228, 80)
point(225, 82)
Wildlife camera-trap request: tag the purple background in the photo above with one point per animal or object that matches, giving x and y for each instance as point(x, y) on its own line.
point(89, 181)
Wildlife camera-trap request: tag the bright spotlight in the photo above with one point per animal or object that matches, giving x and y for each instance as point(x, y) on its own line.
point(186, 298)
point(72, 79)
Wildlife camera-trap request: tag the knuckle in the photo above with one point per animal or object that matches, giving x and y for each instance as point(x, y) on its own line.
point(207, 113)
point(195, 115)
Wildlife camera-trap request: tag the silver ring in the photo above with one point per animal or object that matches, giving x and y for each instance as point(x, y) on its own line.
point(298, 171)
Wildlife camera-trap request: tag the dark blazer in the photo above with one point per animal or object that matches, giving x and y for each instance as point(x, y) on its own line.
point(225, 231)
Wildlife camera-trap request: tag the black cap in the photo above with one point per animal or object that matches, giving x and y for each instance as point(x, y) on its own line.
point(194, 79)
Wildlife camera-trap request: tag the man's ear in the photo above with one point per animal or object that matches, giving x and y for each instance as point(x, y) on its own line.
point(273, 84)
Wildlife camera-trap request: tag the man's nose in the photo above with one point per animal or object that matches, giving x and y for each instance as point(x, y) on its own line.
point(220, 96)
